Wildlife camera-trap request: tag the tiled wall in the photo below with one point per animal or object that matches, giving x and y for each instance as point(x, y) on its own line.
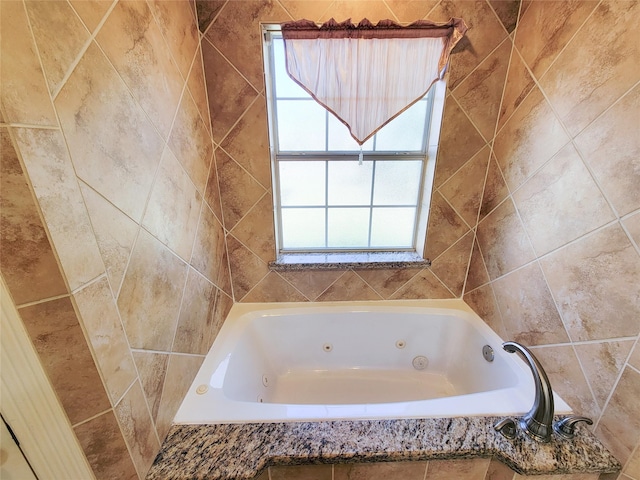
point(556, 264)
point(234, 74)
point(112, 241)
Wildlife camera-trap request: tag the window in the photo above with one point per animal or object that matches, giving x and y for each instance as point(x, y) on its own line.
point(328, 198)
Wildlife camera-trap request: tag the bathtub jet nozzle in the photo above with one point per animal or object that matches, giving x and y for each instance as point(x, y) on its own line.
point(538, 422)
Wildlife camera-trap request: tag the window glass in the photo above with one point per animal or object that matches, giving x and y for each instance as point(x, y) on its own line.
point(392, 227)
point(397, 182)
point(348, 227)
point(349, 183)
point(302, 183)
point(301, 125)
point(303, 227)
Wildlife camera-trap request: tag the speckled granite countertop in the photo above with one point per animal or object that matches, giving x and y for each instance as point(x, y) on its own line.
point(241, 451)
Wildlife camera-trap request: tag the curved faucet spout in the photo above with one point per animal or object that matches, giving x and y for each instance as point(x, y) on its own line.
point(538, 423)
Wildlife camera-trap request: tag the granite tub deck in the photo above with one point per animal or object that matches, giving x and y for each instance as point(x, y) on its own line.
point(242, 451)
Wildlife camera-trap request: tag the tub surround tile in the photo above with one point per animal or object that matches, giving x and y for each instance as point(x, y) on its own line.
point(379, 471)
point(498, 471)
point(517, 86)
point(247, 269)
point(303, 9)
point(46, 157)
point(152, 368)
point(197, 86)
point(387, 282)
point(114, 231)
point(312, 283)
point(634, 359)
point(495, 189)
point(209, 247)
point(632, 224)
point(91, 11)
point(633, 464)
point(457, 469)
point(348, 287)
point(423, 285)
point(57, 52)
point(374, 10)
point(477, 274)
point(132, 40)
point(451, 267)
point(105, 448)
point(274, 288)
point(302, 472)
point(27, 262)
point(212, 194)
point(101, 320)
point(601, 61)
point(118, 163)
point(483, 301)
point(243, 450)
point(150, 296)
point(596, 284)
point(24, 94)
point(445, 228)
point(611, 148)
point(58, 338)
point(256, 229)
point(507, 11)
point(206, 11)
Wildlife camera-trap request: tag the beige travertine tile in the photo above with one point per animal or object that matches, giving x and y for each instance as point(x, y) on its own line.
point(247, 269)
point(193, 334)
point(528, 139)
point(27, 262)
point(101, 320)
point(480, 93)
point(152, 368)
point(484, 35)
point(256, 229)
point(566, 476)
point(173, 209)
point(518, 84)
point(356, 10)
point(527, 307)
point(386, 282)
point(150, 296)
point(408, 11)
point(236, 33)
point(299, 9)
point(178, 26)
point(423, 285)
point(119, 163)
point(498, 471)
point(191, 143)
point(229, 94)
point(495, 189)
point(137, 428)
point(24, 94)
point(46, 157)
point(212, 194)
point(632, 224)
point(348, 287)
point(483, 302)
point(248, 143)
point(57, 51)
point(561, 202)
point(209, 247)
point(464, 189)
point(503, 241)
point(567, 379)
point(477, 274)
point(105, 448)
point(507, 11)
point(451, 267)
point(114, 231)
point(619, 427)
point(380, 471)
point(312, 283)
point(273, 288)
point(471, 469)
point(596, 284)
point(601, 62)
point(632, 467)
point(197, 86)
point(91, 11)
point(181, 371)
point(445, 227)
point(57, 337)
point(207, 10)
point(239, 191)
point(301, 472)
point(611, 147)
point(602, 363)
point(224, 303)
point(224, 275)
point(133, 43)
point(546, 28)
point(634, 360)
point(459, 141)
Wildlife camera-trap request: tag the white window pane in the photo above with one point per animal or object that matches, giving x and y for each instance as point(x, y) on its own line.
point(392, 227)
point(404, 133)
point(348, 227)
point(302, 183)
point(340, 140)
point(301, 125)
point(302, 228)
point(285, 87)
point(350, 183)
point(397, 182)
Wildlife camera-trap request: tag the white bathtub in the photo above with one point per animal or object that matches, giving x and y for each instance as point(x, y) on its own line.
point(302, 362)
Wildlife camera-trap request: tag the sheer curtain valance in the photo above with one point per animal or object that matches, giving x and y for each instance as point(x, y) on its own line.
point(366, 74)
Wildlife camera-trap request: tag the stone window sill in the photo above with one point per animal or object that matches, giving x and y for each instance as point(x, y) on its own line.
point(289, 262)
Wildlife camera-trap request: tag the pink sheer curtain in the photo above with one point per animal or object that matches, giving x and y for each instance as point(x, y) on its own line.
point(366, 74)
